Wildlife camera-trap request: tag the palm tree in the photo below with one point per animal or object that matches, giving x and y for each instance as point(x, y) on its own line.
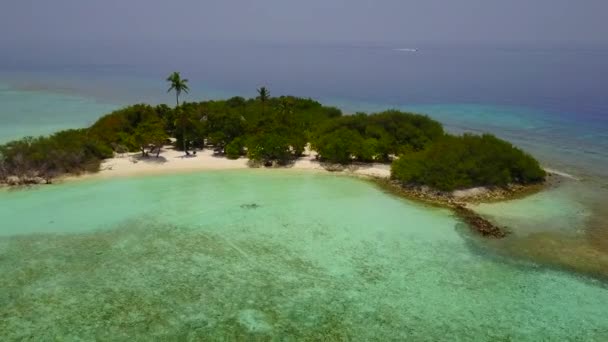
point(263, 96)
point(178, 84)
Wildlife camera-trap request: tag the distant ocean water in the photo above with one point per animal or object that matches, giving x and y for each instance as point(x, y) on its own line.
point(33, 112)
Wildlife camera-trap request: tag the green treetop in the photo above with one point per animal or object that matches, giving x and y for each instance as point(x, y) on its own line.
point(178, 84)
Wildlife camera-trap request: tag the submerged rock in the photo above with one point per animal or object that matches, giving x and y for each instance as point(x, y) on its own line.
point(250, 206)
point(254, 321)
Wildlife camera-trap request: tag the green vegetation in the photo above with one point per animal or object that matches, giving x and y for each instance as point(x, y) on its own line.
point(263, 96)
point(276, 131)
point(66, 152)
point(455, 162)
point(151, 135)
point(377, 137)
point(178, 84)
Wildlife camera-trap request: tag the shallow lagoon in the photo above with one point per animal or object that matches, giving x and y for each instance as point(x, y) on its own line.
point(256, 254)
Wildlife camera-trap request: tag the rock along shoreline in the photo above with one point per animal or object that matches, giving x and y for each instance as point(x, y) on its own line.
point(458, 201)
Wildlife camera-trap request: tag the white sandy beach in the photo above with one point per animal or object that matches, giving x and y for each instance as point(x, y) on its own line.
point(172, 161)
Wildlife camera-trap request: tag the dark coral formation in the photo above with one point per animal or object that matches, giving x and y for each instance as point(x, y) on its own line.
point(479, 224)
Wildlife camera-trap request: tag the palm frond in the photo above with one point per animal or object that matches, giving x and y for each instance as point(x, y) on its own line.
point(178, 84)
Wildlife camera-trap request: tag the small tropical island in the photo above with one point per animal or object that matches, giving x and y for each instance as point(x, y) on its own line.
point(419, 157)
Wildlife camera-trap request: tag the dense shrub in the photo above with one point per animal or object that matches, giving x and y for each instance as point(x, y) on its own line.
point(341, 146)
point(455, 162)
point(234, 149)
point(119, 126)
point(269, 148)
point(70, 151)
point(375, 137)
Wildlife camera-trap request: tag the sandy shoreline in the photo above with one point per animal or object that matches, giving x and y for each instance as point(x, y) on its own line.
point(172, 161)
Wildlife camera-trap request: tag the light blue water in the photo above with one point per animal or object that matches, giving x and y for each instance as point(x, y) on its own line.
point(321, 257)
point(33, 113)
point(555, 210)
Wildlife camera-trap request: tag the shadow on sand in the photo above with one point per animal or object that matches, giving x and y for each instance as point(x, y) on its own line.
point(148, 159)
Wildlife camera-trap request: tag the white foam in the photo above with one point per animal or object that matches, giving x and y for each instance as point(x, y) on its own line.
point(563, 174)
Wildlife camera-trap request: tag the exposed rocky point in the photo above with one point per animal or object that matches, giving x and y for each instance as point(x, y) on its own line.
point(479, 224)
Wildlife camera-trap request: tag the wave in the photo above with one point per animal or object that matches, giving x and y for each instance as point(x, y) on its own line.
point(406, 50)
point(561, 173)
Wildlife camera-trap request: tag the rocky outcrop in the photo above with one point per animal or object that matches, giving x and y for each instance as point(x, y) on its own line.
point(462, 197)
point(13, 180)
point(333, 167)
point(16, 181)
point(459, 201)
point(479, 224)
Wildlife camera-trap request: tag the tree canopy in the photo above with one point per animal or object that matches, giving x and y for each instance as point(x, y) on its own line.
point(378, 137)
point(455, 162)
point(178, 84)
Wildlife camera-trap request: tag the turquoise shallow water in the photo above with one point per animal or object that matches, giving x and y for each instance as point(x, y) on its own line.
point(561, 210)
point(33, 113)
point(256, 254)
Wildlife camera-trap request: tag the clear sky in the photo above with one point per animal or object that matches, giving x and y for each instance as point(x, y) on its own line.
point(44, 21)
